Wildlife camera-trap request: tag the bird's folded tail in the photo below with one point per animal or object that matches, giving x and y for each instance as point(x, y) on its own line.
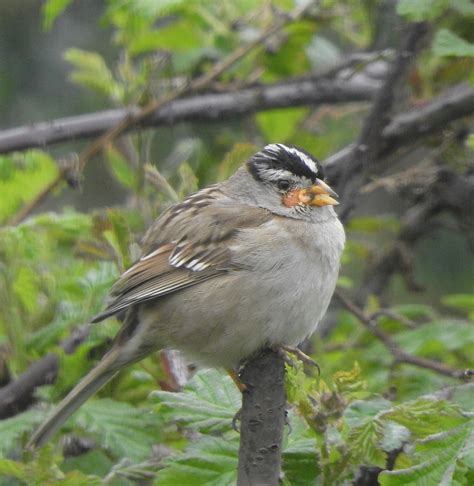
point(92, 382)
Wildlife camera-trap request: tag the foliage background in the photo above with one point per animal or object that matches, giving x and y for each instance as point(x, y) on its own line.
point(367, 416)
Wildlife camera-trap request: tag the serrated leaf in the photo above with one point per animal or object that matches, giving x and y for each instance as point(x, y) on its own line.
point(364, 441)
point(12, 428)
point(447, 43)
point(208, 403)
point(207, 462)
point(125, 430)
point(424, 417)
point(437, 460)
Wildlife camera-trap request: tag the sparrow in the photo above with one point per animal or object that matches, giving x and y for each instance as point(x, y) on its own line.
point(244, 264)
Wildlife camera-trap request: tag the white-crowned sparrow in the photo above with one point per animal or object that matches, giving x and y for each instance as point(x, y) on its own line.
point(243, 264)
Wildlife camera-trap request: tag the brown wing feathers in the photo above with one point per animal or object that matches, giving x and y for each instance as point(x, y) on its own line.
point(168, 266)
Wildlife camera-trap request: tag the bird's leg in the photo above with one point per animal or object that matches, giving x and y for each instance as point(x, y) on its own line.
point(235, 378)
point(300, 355)
point(242, 387)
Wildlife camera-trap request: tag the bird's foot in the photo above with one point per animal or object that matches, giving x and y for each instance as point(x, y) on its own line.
point(299, 354)
point(236, 419)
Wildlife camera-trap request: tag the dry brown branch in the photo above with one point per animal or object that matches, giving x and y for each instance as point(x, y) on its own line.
point(18, 394)
point(400, 356)
point(365, 152)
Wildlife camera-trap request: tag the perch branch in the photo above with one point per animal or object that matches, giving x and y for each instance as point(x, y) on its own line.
point(398, 354)
point(262, 420)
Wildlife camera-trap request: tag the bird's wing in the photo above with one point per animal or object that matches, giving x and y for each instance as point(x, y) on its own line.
point(188, 244)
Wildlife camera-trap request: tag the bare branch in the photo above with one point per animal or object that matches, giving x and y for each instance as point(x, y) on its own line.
point(364, 153)
point(412, 126)
point(449, 191)
point(212, 107)
point(399, 355)
point(18, 395)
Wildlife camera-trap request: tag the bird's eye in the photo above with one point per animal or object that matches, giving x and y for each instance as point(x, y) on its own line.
point(283, 185)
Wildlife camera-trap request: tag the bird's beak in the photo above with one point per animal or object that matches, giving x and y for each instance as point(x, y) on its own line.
point(319, 194)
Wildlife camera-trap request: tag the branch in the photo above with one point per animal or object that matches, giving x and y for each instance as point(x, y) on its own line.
point(411, 126)
point(213, 107)
point(394, 349)
point(18, 395)
point(449, 191)
point(364, 153)
point(262, 420)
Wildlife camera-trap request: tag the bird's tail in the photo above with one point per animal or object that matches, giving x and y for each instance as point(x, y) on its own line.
point(95, 379)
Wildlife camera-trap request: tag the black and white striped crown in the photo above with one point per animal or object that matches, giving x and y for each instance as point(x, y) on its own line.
point(280, 157)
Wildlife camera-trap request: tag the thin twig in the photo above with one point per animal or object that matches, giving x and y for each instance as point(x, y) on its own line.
point(399, 355)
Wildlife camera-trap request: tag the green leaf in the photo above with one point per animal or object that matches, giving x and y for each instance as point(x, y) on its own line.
point(178, 36)
point(119, 237)
point(415, 311)
point(280, 124)
point(462, 302)
point(425, 416)
point(125, 430)
point(9, 468)
point(34, 170)
point(120, 168)
point(12, 428)
point(233, 159)
point(447, 43)
point(208, 403)
point(419, 10)
point(92, 71)
point(437, 460)
point(52, 9)
point(25, 287)
point(300, 461)
point(207, 462)
point(431, 338)
point(373, 224)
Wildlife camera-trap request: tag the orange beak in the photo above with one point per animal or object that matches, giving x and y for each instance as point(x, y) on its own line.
point(319, 194)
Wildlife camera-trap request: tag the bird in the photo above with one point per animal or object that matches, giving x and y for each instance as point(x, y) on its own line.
point(247, 263)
